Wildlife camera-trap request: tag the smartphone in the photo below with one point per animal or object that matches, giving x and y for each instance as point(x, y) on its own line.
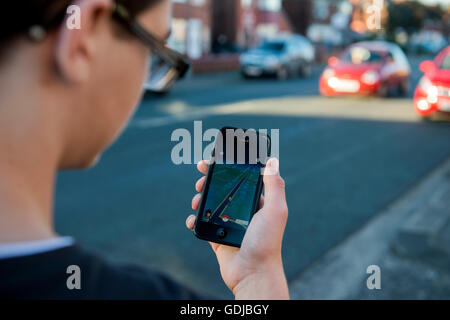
point(233, 185)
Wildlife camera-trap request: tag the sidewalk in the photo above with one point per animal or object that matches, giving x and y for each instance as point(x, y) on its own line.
point(409, 241)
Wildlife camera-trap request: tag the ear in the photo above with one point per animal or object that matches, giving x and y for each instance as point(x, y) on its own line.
point(75, 47)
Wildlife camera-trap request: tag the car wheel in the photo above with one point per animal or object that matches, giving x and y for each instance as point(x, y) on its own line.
point(305, 70)
point(282, 73)
point(403, 89)
point(383, 91)
point(426, 118)
point(244, 75)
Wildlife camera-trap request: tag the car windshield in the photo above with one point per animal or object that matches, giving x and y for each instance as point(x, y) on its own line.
point(272, 46)
point(360, 55)
point(446, 63)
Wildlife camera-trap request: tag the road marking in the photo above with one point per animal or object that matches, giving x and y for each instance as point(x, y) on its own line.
point(191, 115)
point(349, 108)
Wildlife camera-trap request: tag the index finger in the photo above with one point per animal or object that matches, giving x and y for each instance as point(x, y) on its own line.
point(202, 166)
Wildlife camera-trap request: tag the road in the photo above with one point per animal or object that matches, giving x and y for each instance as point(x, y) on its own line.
point(343, 159)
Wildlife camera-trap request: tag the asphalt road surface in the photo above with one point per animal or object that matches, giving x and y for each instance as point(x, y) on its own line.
point(343, 160)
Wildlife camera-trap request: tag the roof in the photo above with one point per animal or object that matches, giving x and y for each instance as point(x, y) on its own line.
point(375, 45)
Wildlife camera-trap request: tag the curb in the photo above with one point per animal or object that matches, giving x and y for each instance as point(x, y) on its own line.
point(425, 235)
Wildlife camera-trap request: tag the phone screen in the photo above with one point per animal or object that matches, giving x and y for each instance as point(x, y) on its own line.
point(231, 193)
point(233, 185)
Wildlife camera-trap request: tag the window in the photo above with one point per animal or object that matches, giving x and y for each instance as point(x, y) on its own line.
point(194, 38)
point(360, 55)
point(446, 63)
point(400, 57)
point(270, 5)
point(273, 46)
point(197, 3)
point(177, 39)
point(321, 10)
point(246, 3)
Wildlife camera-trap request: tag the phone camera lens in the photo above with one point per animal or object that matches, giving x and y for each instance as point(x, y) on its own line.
point(221, 233)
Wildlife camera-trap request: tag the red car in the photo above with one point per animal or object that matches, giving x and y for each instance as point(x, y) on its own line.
point(433, 91)
point(367, 68)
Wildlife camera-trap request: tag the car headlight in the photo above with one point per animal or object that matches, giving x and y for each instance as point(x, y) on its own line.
point(370, 77)
point(423, 105)
point(333, 82)
point(431, 90)
point(433, 94)
point(328, 73)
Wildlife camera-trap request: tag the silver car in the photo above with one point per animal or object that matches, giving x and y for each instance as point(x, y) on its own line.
point(283, 57)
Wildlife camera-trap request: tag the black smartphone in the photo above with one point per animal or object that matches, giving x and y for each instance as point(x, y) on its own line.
point(233, 185)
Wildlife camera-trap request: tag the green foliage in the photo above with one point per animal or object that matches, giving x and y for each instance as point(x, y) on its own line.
point(410, 16)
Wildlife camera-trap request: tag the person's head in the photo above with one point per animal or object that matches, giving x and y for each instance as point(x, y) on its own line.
point(75, 87)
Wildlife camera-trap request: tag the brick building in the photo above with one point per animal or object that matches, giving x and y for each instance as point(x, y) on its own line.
point(212, 32)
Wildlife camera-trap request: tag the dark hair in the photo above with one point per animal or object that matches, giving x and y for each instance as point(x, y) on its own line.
point(48, 14)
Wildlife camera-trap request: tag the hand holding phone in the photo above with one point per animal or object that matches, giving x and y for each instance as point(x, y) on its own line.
point(233, 185)
point(255, 271)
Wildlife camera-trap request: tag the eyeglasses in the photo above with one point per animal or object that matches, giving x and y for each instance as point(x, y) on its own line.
point(166, 65)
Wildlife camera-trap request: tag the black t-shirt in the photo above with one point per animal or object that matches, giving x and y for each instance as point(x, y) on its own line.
point(44, 276)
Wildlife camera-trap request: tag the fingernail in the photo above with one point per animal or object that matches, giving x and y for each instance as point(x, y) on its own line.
point(273, 163)
point(272, 166)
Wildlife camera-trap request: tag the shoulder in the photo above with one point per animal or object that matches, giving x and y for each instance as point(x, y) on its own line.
point(50, 272)
point(136, 282)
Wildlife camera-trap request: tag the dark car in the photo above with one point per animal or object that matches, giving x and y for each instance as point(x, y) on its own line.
point(286, 56)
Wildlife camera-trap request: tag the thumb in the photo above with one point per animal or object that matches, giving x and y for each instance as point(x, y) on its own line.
point(274, 187)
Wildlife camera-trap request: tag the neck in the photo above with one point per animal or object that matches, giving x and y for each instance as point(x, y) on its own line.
point(25, 205)
point(28, 159)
